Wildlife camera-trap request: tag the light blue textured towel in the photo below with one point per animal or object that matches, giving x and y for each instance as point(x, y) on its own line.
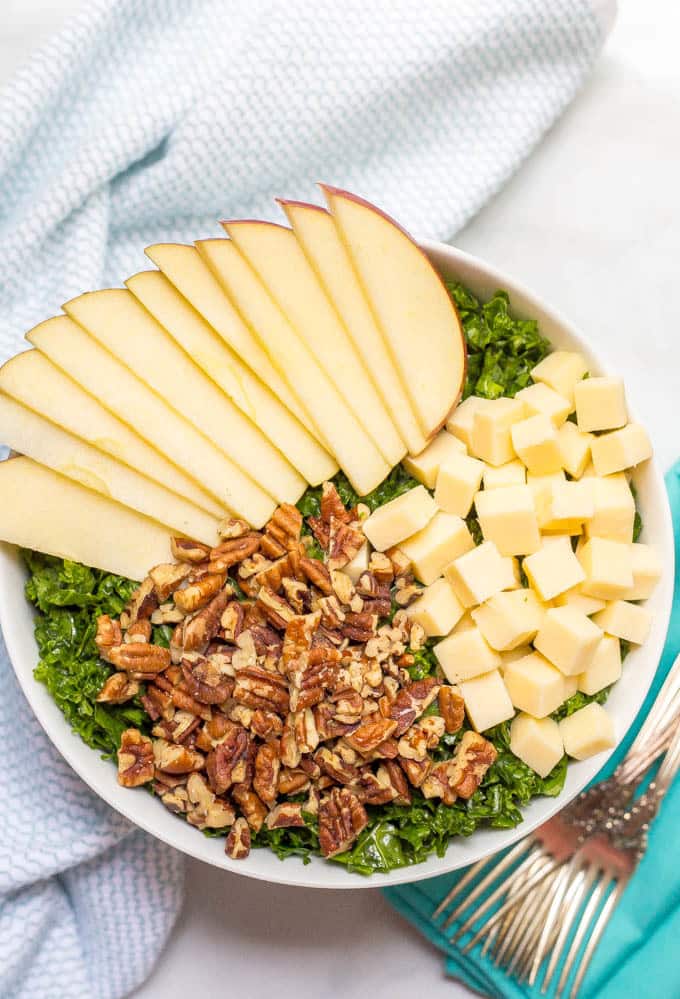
point(147, 120)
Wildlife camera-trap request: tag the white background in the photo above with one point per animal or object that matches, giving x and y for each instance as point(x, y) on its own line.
point(592, 223)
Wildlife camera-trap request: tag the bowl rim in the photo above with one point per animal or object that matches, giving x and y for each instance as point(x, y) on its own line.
point(321, 874)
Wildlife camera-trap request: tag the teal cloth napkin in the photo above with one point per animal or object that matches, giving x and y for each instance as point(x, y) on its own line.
point(638, 953)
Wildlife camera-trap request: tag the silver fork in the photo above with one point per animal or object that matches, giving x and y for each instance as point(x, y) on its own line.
point(532, 878)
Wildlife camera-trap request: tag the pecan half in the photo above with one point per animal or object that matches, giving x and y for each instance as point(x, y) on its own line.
point(238, 841)
point(285, 815)
point(344, 542)
point(191, 598)
point(397, 780)
point(252, 808)
point(316, 573)
point(176, 759)
point(266, 724)
point(415, 770)
point(118, 689)
point(374, 789)
point(109, 634)
point(342, 818)
point(227, 763)
point(292, 781)
point(410, 702)
point(334, 766)
point(452, 709)
point(257, 688)
point(205, 680)
point(277, 610)
point(186, 550)
point(283, 531)
point(267, 766)
point(474, 756)
point(167, 576)
point(135, 759)
point(371, 734)
point(208, 811)
point(233, 551)
point(200, 629)
point(139, 658)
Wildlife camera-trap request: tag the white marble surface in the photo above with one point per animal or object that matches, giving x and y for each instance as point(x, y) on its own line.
point(592, 223)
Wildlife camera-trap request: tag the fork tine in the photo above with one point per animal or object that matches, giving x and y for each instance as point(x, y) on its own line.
point(491, 877)
point(524, 869)
point(572, 903)
point(521, 958)
point(562, 883)
point(597, 931)
point(599, 892)
point(514, 925)
point(494, 871)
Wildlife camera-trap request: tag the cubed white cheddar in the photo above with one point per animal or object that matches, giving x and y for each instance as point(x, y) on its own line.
point(465, 654)
point(574, 448)
point(587, 732)
point(508, 517)
point(437, 610)
point(604, 668)
point(568, 639)
point(487, 701)
point(440, 542)
point(535, 685)
point(625, 620)
point(465, 622)
point(608, 566)
point(553, 570)
point(460, 421)
point(512, 655)
point(537, 742)
point(512, 473)
point(509, 619)
point(358, 564)
point(561, 370)
point(579, 601)
point(567, 505)
point(646, 572)
point(479, 574)
point(620, 449)
point(491, 440)
point(600, 404)
point(540, 486)
point(535, 442)
point(425, 466)
point(458, 480)
point(613, 509)
point(540, 398)
point(400, 518)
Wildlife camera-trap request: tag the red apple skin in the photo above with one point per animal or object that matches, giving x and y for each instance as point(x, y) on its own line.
point(329, 191)
point(227, 222)
point(284, 202)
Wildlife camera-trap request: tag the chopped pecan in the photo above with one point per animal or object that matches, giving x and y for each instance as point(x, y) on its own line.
point(297, 642)
point(413, 744)
point(139, 631)
point(109, 634)
point(285, 815)
point(176, 800)
point(381, 568)
point(267, 766)
point(139, 658)
point(177, 729)
point(258, 688)
point(233, 551)
point(227, 763)
point(298, 595)
point(231, 527)
point(292, 781)
point(182, 700)
point(342, 818)
point(232, 621)
point(252, 808)
point(299, 736)
point(452, 709)
point(327, 726)
point(203, 626)
point(331, 506)
point(411, 701)
point(398, 781)
point(118, 689)
point(415, 770)
point(360, 627)
point(135, 759)
point(167, 576)
point(334, 766)
point(433, 727)
point(176, 759)
point(406, 591)
point(283, 531)
point(186, 550)
point(208, 811)
point(205, 680)
point(439, 782)
point(368, 736)
point(401, 563)
point(473, 757)
point(316, 573)
point(348, 706)
point(158, 703)
point(344, 542)
point(143, 601)
point(332, 614)
point(277, 610)
point(374, 789)
point(191, 598)
point(266, 724)
point(343, 587)
point(312, 803)
point(238, 841)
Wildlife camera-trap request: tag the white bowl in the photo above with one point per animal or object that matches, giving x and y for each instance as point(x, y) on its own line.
point(16, 618)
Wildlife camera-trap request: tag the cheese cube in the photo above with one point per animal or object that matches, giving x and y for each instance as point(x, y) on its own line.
point(457, 482)
point(567, 505)
point(646, 572)
point(400, 518)
point(460, 421)
point(479, 574)
point(437, 610)
point(553, 570)
point(425, 466)
point(600, 404)
point(491, 426)
point(487, 701)
point(568, 639)
point(587, 732)
point(535, 685)
point(509, 619)
point(465, 622)
point(561, 370)
point(540, 398)
point(540, 486)
point(574, 448)
point(508, 518)
point(512, 655)
point(440, 542)
point(613, 509)
point(535, 442)
point(537, 742)
point(512, 473)
point(465, 654)
point(604, 668)
point(579, 601)
point(628, 621)
point(621, 449)
point(358, 564)
point(608, 566)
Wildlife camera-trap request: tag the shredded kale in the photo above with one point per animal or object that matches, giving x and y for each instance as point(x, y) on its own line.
point(425, 662)
point(578, 701)
point(397, 482)
point(501, 350)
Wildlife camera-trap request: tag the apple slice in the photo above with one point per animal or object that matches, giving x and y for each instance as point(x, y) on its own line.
point(100, 374)
point(236, 380)
point(183, 267)
point(415, 311)
point(325, 251)
point(37, 438)
point(275, 254)
point(49, 513)
point(115, 318)
point(33, 380)
point(354, 450)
